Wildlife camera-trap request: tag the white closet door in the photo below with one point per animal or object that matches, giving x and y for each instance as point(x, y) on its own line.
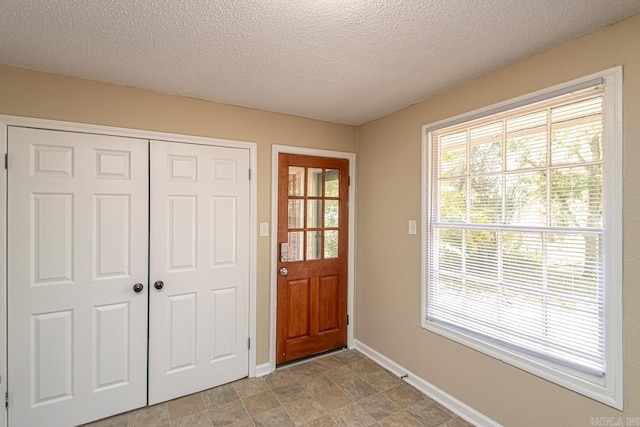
point(198, 321)
point(77, 331)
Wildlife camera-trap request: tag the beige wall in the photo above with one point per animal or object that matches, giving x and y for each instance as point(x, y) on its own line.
point(35, 94)
point(388, 260)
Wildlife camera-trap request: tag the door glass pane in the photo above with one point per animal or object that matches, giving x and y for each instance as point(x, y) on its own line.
point(296, 181)
point(296, 213)
point(314, 244)
point(331, 213)
point(331, 244)
point(314, 214)
point(332, 183)
point(296, 246)
point(315, 182)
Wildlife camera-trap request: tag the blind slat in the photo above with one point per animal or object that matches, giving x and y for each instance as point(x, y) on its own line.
point(515, 229)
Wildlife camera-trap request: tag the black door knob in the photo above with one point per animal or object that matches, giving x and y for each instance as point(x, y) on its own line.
point(138, 287)
point(158, 285)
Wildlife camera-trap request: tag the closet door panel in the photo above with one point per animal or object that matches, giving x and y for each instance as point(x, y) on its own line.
point(199, 329)
point(78, 242)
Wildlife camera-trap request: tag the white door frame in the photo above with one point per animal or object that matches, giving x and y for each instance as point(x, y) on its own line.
point(275, 151)
point(6, 121)
point(3, 274)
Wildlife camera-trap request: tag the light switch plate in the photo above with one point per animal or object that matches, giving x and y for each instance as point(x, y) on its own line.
point(412, 226)
point(264, 229)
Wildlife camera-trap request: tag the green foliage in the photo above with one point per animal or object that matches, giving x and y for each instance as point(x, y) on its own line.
point(332, 217)
point(570, 197)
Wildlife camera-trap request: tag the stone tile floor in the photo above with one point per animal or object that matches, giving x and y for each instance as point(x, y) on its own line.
point(341, 389)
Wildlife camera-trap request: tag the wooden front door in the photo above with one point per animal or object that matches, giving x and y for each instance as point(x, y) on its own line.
point(312, 255)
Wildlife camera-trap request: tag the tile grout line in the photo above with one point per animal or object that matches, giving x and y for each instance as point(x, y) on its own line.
point(242, 401)
point(204, 403)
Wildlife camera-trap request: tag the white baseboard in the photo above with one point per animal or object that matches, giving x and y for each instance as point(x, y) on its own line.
point(461, 409)
point(264, 369)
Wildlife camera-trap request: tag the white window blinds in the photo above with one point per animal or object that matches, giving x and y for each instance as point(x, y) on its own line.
point(515, 229)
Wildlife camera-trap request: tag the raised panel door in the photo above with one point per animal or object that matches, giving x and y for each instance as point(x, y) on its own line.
point(198, 323)
point(312, 247)
point(77, 239)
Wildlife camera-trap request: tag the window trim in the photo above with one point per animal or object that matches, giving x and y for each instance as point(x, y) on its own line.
point(609, 390)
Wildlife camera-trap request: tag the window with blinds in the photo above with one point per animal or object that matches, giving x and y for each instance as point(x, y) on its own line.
point(515, 229)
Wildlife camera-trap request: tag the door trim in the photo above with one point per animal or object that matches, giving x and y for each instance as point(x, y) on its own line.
point(7, 120)
point(3, 273)
point(275, 151)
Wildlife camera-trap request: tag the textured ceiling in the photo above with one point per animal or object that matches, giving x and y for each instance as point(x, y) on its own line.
point(346, 61)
